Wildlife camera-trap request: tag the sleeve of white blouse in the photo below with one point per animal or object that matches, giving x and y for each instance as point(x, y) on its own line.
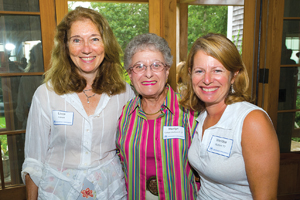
point(37, 136)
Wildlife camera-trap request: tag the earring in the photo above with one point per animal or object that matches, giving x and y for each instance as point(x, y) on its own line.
point(231, 89)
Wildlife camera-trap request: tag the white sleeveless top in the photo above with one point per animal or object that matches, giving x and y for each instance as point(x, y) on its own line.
point(218, 157)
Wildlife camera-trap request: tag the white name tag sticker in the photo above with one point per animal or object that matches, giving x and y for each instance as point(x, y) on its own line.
point(220, 145)
point(62, 117)
point(171, 132)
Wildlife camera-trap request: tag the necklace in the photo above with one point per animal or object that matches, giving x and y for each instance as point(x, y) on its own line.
point(153, 113)
point(87, 97)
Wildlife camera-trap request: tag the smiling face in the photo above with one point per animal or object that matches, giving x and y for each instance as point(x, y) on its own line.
point(149, 84)
point(210, 79)
point(85, 46)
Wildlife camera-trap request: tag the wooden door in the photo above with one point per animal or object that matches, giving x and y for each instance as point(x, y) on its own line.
point(277, 85)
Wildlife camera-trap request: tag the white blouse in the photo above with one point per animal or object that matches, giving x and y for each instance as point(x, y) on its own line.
point(64, 145)
point(218, 157)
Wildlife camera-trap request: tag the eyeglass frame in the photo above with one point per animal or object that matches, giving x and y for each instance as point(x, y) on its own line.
point(145, 67)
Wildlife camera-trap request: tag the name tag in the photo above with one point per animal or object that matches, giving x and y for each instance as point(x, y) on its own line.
point(62, 117)
point(220, 145)
point(171, 132)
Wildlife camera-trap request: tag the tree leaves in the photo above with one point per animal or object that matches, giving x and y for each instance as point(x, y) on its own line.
point(130, 19)
point(126, 19)
point(206, 19)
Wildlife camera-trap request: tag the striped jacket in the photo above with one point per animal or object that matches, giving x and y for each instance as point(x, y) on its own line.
point(174, 175)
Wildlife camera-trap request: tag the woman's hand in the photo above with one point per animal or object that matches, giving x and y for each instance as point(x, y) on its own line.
point(261, 155)
point(31, 188)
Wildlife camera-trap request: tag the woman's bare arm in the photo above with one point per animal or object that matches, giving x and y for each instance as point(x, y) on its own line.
point(261, 155)
point(31, 188)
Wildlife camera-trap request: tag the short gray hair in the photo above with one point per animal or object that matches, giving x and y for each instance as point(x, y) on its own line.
point(147, 41)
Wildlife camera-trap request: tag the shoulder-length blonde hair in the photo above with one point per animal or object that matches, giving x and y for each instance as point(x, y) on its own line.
point(222, 49)
point(63, 76)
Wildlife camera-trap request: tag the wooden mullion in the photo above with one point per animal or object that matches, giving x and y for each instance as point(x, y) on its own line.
point(12, 132)
point(1, 170)
point(61, 9)
point(168, 30)
point(291, 18)
point(287, 111)
point(155, 17)
point(183, 31)
point(118, 1)
point(20, 74)
point(17, 192)
point(294, 65)
point(48, 25)
point(250, 41)
point(18, 13)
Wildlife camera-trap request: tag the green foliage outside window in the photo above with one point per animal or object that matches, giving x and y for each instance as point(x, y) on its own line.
point(126, 19)
point(130, 19)
point(206, 19)
point(3, 143)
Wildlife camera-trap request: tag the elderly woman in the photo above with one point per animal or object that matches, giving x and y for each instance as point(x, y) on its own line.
point(70, 150)
point(235, 149)
point(154, 131)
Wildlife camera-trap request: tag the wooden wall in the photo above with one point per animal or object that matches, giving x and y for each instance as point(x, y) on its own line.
point(289, 177)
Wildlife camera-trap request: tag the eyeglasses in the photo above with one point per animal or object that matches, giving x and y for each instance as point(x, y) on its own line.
point(79, 42)
point(155, 67)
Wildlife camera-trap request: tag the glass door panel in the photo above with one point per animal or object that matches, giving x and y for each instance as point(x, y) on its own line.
point(204, 19)
point(12, 147)
point(290, 8)
point(288, 123)
point(224, 17)
point(21, 72)
point(20, 5)
point(21, 55)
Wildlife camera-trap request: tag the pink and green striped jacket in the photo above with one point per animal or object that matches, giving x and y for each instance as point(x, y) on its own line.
point(174, 175)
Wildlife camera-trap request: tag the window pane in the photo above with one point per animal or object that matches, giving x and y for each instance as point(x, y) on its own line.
point(203, 19)
point(18, 34)
point(289, 8)
point(226, 20)
point(295, 146)
point(290, 44)
point(285, 129)
point(12, 147)
point(288, 88)
point(20, 5)
point(17, 92)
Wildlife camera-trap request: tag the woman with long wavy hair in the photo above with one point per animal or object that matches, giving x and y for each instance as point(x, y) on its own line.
point(70, 136)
